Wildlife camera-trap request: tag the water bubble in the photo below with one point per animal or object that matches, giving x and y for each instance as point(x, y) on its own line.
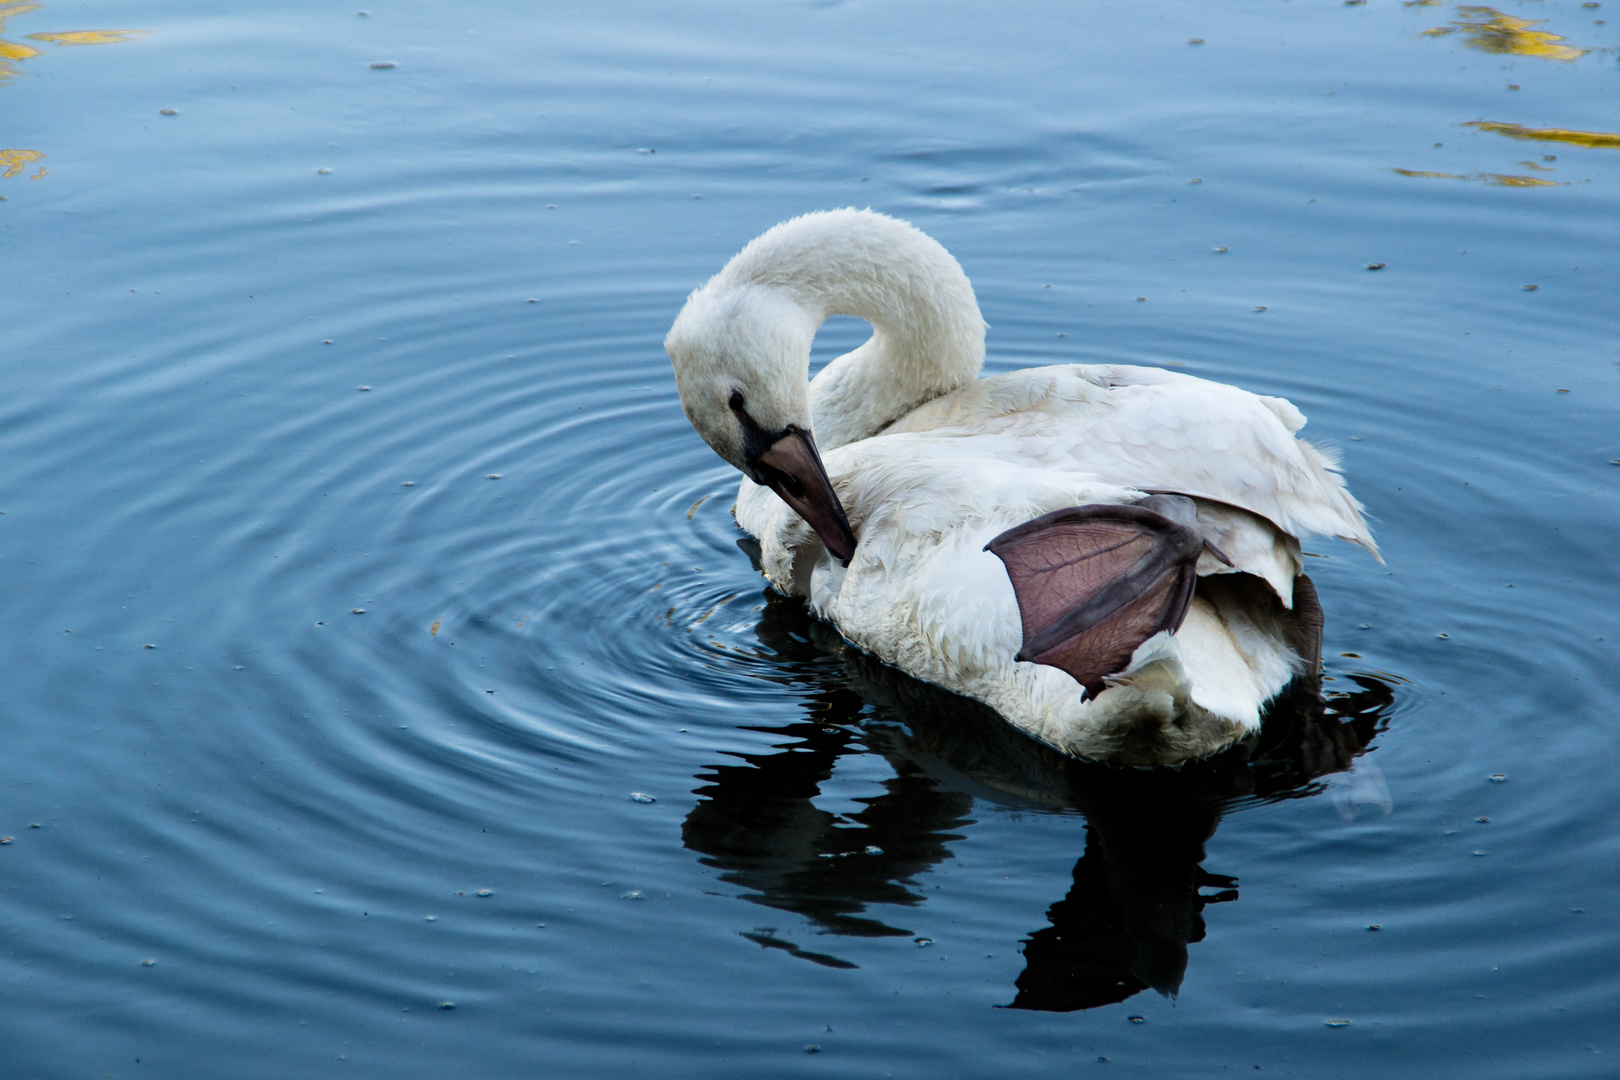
point(641, 797)
point(633, 894)
point(430, 918)
point(381, 65)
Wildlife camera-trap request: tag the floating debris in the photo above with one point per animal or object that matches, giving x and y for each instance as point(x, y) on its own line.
point(924, 942)
point(485, 892)
point(1483, 820)
point(447, 1004)
point(812, 1048)
point(168, 112)
point(1337, 1023)
point(641, 797)
point(323, 171)
point(1376, 266)
point(148, 963)
point(1137, 1019)
point(1531, 288)
point(494, 476)
point(408, 483)
point(1260, 307)
point(873, 849)
point(1220, 250)
point(430, 918)
point(5, 839)
point(363, 389)
point(1479, 853)
point(357, 611)
point(382, 65)
point(1374, 927)
point(1497, 778)
point(1195, 41)
point(633, 894)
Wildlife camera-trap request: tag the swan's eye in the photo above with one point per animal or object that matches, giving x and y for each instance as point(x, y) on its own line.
point(736, 401)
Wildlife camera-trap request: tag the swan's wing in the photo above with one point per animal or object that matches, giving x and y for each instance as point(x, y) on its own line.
point(1094, 582)
point(1162, 431)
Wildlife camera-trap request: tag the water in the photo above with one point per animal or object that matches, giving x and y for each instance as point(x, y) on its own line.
point(293, 809)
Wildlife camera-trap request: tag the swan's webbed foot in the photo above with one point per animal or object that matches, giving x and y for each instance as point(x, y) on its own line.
point(1094, 582)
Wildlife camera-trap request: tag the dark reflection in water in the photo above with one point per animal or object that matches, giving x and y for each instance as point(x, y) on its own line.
point(1139, 886)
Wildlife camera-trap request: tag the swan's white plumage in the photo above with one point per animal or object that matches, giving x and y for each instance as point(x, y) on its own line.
point(931, 463)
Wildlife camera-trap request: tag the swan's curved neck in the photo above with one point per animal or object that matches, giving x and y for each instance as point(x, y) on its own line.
point(927, 333)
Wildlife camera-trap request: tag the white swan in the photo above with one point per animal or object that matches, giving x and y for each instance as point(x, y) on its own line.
point(1082, 626)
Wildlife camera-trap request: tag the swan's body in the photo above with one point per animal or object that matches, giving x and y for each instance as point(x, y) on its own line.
point(930, 463)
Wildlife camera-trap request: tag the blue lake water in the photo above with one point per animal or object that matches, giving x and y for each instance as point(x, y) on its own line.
point(358, 569)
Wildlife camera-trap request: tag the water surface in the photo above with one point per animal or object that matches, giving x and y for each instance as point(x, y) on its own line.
point(340, 387)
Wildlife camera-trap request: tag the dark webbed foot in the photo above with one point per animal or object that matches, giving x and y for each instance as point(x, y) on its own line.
point(1094, 582)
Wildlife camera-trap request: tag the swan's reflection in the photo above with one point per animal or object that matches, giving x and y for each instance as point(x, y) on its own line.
point(1139, 887)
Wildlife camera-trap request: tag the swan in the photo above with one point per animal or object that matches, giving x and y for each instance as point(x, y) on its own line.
point(1105, 555)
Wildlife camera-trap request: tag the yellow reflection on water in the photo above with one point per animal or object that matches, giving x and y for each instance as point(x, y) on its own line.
point(12, 50)
point(1491, 31)
point(1563, 135)
point(88, 37)
point(12, 162)
point(1494, 179)
point(16, 160)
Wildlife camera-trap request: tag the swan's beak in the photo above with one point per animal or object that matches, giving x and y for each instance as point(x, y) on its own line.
point(793, 469)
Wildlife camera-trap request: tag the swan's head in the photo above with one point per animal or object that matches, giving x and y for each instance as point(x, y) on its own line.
point(742, 361)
